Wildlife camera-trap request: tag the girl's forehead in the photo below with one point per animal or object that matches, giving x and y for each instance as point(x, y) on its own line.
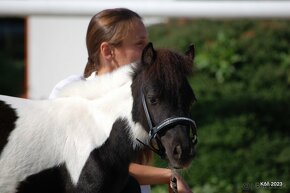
point(138, 30)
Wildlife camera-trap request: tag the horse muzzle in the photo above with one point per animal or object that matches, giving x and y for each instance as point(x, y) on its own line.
point(181, 150)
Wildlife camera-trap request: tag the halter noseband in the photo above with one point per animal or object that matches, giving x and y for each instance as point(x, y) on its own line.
point(163, 126)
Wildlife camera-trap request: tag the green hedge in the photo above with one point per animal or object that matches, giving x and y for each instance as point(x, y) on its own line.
point(242, 82)
point(12, 56)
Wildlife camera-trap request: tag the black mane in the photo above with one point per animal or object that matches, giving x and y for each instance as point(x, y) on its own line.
point(168, 68)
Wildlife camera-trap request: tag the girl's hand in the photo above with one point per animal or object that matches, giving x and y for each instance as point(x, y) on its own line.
point(182, 186)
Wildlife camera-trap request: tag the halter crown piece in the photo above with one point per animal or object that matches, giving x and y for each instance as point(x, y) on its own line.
point(163, 126)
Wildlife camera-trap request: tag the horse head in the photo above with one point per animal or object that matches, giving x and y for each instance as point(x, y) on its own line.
point(162, 97)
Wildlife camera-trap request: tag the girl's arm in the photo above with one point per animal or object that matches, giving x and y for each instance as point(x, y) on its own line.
point(152, 175)
point(145, 174)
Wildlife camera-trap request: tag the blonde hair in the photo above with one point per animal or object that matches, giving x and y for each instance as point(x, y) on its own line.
point(110, 25)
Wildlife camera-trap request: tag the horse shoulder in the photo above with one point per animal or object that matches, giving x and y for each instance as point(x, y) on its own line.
point(85, 128)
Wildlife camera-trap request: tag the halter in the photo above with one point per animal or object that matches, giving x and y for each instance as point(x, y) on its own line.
point(163, 126)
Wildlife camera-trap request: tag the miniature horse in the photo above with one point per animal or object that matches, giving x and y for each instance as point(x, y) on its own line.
point(84, 140)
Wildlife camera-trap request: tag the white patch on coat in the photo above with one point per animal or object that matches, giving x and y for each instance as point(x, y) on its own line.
point(65, 130)
point(98, 86)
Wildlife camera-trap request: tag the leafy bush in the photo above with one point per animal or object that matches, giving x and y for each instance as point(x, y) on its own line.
point(242, 73)
point(12, 56)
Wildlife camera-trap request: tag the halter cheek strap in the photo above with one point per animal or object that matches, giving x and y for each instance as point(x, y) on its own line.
point(148, 117)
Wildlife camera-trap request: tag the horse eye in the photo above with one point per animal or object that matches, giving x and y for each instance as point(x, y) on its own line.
point(153, 100)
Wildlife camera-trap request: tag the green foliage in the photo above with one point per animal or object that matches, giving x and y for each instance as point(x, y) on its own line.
point(12, 56)
point(12, 76)
point(222, 60)
point(242, 82)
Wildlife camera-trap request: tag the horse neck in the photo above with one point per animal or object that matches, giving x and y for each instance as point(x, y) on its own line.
point(110, 95)
point(118, 103)
point(98, 86)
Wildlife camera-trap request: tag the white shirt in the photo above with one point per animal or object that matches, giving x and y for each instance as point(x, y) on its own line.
point(59, 86)
point(145, 188)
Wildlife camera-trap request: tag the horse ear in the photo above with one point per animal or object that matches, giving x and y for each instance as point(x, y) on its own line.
point(148, 54)
point(190, 52)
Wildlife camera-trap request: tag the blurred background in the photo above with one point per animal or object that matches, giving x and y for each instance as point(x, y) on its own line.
point(241, 76)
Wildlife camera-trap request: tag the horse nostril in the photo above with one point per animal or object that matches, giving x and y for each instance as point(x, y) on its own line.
point(177, 152)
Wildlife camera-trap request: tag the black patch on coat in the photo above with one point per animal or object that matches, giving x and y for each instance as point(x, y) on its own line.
point(47, 181)
point(8, 118)
point(107, 169)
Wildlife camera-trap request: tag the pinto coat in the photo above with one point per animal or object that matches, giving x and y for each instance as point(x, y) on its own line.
point(69, 131)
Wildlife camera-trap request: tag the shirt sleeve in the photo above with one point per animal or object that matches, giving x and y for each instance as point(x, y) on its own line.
point(59, 86)
point(145, 188)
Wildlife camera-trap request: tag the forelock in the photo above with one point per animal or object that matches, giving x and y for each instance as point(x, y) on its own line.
point(170, 68)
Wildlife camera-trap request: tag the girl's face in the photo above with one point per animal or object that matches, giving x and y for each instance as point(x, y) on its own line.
point(132, 45)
